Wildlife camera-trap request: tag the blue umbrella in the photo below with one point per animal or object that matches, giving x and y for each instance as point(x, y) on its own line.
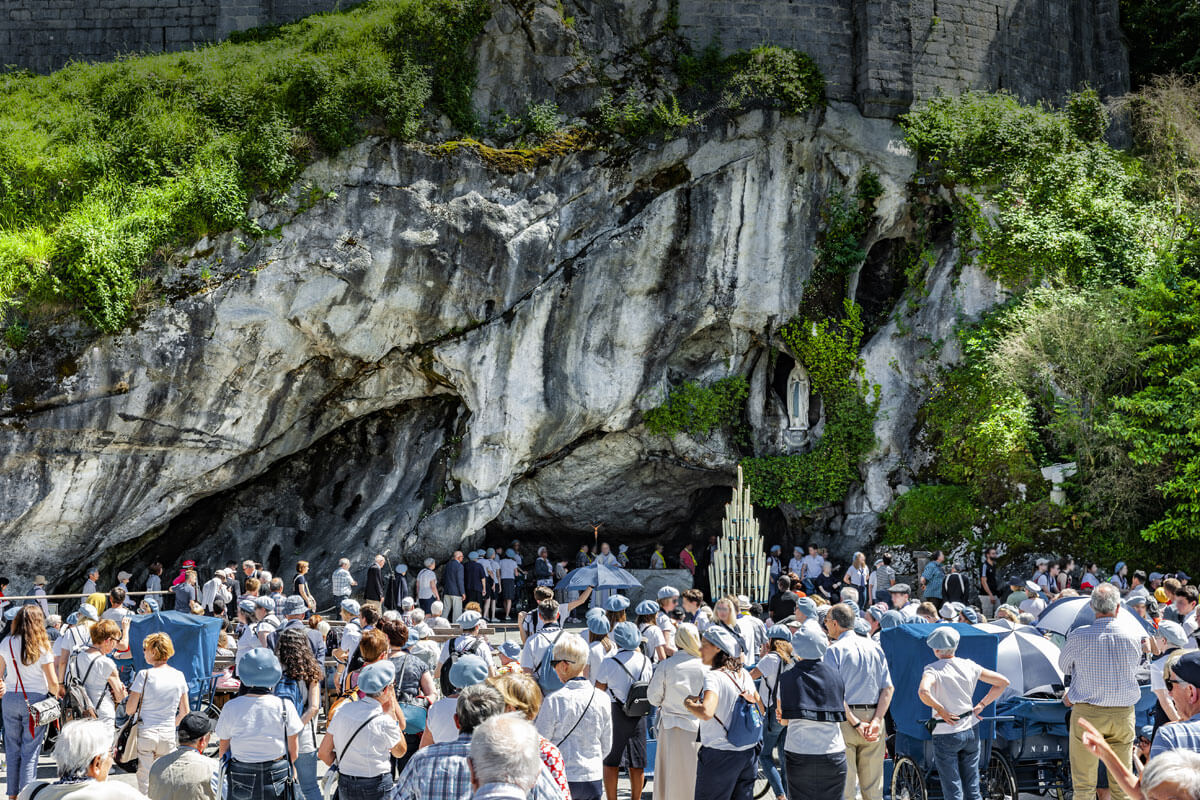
point(599, 577)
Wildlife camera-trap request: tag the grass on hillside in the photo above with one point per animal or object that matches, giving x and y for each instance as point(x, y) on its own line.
point(104, 165)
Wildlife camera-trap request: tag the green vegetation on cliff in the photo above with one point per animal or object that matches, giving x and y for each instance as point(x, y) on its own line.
point(1094, 359)
point(104, 165)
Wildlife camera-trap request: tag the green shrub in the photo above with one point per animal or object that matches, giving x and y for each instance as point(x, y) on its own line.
point(542, 119)
point(700, 410)
point(774, 76)
point(931, 517)
point(103, 164)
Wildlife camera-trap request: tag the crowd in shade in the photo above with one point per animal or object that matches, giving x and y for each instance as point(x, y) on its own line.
point(399, 685)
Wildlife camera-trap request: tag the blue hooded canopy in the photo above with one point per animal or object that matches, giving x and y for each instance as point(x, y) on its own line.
point(195, 640)
point(907, 654)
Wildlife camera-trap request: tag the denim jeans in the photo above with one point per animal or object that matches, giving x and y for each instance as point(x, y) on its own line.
point(257, 781)
point(306, 773)
point(771, 757)
point(20, 749)
point(957, 758)
point(376, 788)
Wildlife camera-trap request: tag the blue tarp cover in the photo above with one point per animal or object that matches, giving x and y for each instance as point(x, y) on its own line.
point(195, 640)
point(1033, 717)
point(907, 654)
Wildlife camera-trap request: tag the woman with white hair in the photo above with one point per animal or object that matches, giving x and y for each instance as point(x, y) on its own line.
point(677, 677)
point(427, 586)
point(83, 755)
point(577, 719)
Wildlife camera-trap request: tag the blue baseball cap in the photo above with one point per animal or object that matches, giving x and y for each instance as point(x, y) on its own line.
point(259, 669)
point(469, 670)
point(646, 607)
point(374, 678)
point(809, 644)
point(625, 635)
point(618, 602)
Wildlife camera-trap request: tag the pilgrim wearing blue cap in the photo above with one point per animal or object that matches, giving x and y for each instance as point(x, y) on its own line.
point(948, 687)
point(618, 602)
point(617, 675)
point(364, 739)
point(470, 642)
point(256, 728)
point(648, 625)
point(724, 768)
point(812, 697)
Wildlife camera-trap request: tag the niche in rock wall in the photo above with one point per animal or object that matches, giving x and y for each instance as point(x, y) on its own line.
point(783, 387)
point(880, 284)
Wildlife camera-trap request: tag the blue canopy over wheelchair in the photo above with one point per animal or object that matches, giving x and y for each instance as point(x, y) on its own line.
point(194, 638)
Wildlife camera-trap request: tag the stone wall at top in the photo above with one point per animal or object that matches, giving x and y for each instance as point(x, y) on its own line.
point(884, 54)
point(44, 35)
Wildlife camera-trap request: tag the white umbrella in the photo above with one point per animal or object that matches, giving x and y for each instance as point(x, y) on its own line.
point(1029, 661)
point(1000, 627)
point(1063, 616)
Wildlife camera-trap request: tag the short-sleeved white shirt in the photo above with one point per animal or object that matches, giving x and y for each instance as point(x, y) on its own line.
point(257, 727)
point(440, 720)
point(954, 688)
point(728, 688)
point(33, 677)
point(72, 637)
point(654, 639)
point(426, 584)
point(534, 651)
point(508, 569)
point(612, 672)
point(369, 754)
point(161, 688)
point(596, 655)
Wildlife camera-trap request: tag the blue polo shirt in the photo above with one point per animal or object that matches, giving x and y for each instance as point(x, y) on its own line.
point(934, 578)
point(1177, 736)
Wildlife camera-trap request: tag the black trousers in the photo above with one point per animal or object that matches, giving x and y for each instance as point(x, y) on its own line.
point(726, 774)
point(815, 777)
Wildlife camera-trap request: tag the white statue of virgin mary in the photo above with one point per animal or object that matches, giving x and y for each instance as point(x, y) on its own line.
point(798, 387)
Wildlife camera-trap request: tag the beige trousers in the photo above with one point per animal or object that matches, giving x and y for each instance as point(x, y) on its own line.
point(675, 764)
point(150, 748)
point(864, 763)
point(1116, 726)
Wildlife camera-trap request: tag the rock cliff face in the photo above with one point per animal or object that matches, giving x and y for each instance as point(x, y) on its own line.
point(436, 347)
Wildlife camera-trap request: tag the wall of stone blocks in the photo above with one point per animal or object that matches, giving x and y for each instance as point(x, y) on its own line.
point(884, 54)
point(44, 35)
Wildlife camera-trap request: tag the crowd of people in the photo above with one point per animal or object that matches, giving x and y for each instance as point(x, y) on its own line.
point(398, 688)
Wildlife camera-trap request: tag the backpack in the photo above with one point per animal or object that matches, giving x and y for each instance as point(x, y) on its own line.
point(77, 704)
point(745, 723)
point(333, 639)
point(289, 689)
point(771, 693)
point(547, 676)
point(637, 703)
point(449, 688)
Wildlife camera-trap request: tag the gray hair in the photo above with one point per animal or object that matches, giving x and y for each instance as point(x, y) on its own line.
point(477, 704)
point(407, 603)
point(849, 593)
point(78, 745)
point(437, 608)
point(1106, 599)
point(417, 616)
point(429, 562)
point(842, 615)
point(343, 562)
point(505, 750)
point(276, 584)
point(1181, 767)
point(1025, 618)
point(573, 649)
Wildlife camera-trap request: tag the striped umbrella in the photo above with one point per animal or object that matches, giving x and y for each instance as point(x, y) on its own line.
point(1029, 661)
point(1065, 615)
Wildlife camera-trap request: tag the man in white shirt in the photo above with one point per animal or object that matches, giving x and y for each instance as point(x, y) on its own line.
point(534, 651)
point(811, 566)
point(214, 587)
point(796, 564)
point(751, 628)
point(508, 582)
point(427, 586)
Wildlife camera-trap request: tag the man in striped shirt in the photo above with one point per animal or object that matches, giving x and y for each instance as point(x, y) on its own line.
point(1101, 660)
